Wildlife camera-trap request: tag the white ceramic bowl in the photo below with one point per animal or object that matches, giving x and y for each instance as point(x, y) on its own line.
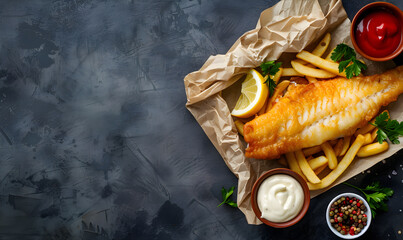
point(367, 212)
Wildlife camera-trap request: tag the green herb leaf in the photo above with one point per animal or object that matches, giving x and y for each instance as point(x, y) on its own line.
point(388, 128)
point(387, 191)
point(229, 193)
point(375, 186)
point(360, 64)
point(347, 55)
point(271, 84)
point(266, 67)
point(225, 195)
point(343, 65)
point(270, 68)
point(376, 196)
point(338, 52)
point(342, 51)
point(381, 118)
point(232, 204)
point(351, 71)
point(275, 68)
point(355, 68)
point(381, 136)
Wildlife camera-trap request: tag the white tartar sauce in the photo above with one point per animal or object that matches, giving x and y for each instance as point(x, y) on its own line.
point(280, 198)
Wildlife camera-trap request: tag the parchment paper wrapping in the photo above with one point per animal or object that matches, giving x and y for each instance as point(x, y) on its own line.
point(282, 30)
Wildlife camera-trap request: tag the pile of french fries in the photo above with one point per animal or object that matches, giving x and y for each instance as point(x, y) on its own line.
point(335, 156)
point(331, 158)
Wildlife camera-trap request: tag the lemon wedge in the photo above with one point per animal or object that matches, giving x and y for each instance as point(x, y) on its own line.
point(254, 93)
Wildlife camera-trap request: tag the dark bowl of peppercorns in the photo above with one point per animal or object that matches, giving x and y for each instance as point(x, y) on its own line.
point(348, 215)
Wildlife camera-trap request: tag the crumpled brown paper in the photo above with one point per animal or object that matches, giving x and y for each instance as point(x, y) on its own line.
point(288, 27)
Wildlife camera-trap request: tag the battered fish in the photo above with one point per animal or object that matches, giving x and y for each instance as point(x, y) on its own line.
point(309, 115)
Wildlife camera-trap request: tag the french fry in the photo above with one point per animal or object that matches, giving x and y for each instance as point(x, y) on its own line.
point(312, 72)
point(320, 169)
point(277, 76)
point(341, 167)
point(245, 120)
point(346, 144)
point(311, 79)
point(318, 162)
point(305, 168)
point(368, 139)
point(311, 150)
point(373, 149)
point(304, 63)
point(320, 49)
point(367, 128)
point(328, 57)
point(293, 164)
point(301, 61)
point(290, 72)
point(319, 62)
point(331, 156)
point(263, 109)
point(374, 134)
point(266, 77)
point(338, 147)
point(239, 126)
point(282, 161)
point(277, 91)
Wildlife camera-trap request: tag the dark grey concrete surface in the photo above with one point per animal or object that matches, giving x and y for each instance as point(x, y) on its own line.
point(95, 139)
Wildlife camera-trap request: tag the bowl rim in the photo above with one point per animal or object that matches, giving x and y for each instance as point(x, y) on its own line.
point(358, 16)
point(369, 215)
point(305, 189)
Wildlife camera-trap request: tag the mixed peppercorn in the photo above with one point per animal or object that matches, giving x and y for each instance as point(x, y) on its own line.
point(347, 215)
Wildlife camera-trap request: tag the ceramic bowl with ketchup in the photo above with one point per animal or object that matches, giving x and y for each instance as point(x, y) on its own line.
point(376, 31)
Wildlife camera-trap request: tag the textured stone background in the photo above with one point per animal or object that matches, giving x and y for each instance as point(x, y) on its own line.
point(95, 139)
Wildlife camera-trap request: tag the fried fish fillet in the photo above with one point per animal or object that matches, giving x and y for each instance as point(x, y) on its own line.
point(308, 115)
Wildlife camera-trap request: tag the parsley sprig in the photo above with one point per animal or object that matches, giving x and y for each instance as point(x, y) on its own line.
point(270, 68)
point(347, 55)
point(225, 196)
point(388, 128)
point(376, 196)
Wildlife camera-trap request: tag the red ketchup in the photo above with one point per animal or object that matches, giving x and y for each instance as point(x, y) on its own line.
point(378, 34)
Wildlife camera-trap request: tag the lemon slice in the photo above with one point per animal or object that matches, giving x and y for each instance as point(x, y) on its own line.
point(254, 93)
